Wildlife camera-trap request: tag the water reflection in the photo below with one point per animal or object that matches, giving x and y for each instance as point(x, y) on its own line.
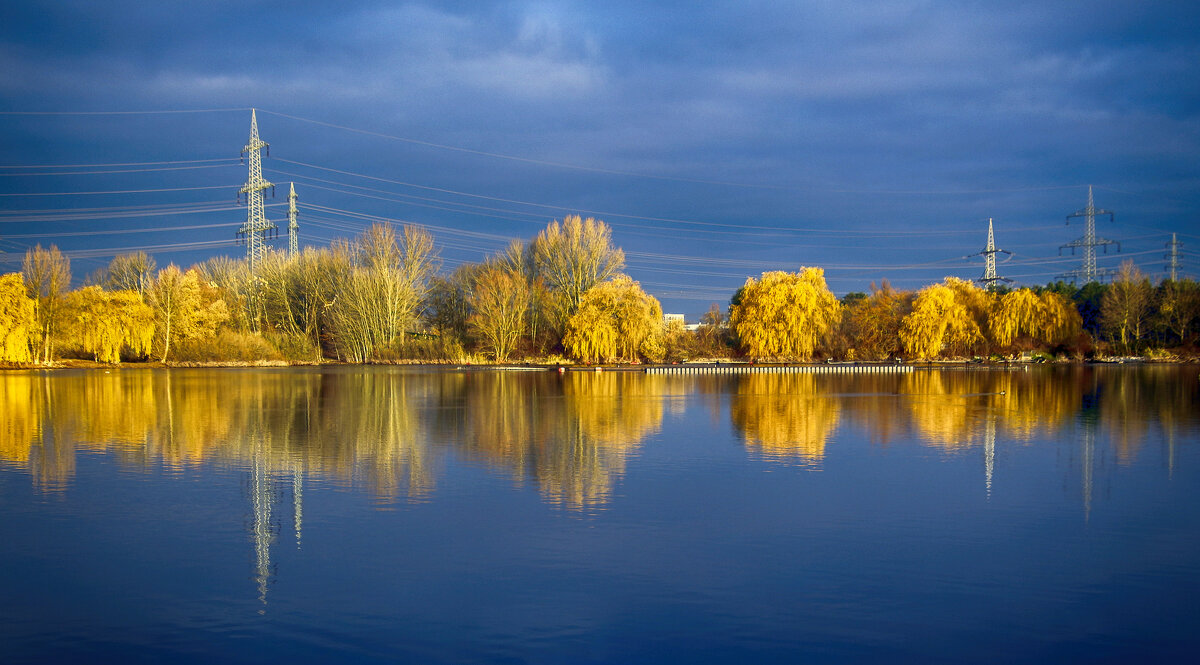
point(785, 415)
point(572, 434)
point(382, 430)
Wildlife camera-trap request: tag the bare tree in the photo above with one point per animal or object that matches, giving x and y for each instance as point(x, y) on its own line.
point(500, 300)
point(1125, 307)
point(572, 257)
point(131, 272)
point(47, 275)
point(380, 287)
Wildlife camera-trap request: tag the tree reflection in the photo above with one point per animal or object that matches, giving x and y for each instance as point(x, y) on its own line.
point(785, 415)
point(572, 434)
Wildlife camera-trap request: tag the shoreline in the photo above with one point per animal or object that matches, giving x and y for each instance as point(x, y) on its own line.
point(734, 366)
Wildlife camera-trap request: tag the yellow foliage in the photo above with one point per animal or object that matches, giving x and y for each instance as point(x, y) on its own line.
point(616, 320)
point(104, 323)
point(785, 315)
point(500, 299)
point(785, 415)
point(944, 318)
point(185, 307)
point(572, 257)
point(1047, 318)
point(872, 325)
point(18, 320)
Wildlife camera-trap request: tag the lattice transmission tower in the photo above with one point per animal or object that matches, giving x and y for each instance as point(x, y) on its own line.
point(257, 229)
point(1172, 257)
point(293, 226)
point(990, 280)
point(1087, 271)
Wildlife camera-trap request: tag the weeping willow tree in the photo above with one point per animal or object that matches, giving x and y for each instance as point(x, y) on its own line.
point(616, 321)
point(105, 323)
point(785, 315)
point(18, 320)
point(1046, 318)
point(942, 320)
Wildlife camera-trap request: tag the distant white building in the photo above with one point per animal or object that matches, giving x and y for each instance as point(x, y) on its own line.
point(668, 319)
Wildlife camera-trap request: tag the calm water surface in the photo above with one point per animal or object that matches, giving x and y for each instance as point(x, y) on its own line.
point(392, 515)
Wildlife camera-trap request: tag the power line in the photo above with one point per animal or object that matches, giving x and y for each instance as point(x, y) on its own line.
point(112, 171)
point(117, 191)
point(97, 166)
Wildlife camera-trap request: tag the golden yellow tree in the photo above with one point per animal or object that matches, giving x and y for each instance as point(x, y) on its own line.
point(941, 320)
point(871, 326)
point(785, 315)
point(500, 300)
point(616, 321)
point(1046, 318)
point(104, 323)
point(1179, 308)
point(18, 320)
point(47, 277)
point(183, 307)
point(572, 257)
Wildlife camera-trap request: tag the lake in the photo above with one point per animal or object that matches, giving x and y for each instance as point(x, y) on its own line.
point(372, 515)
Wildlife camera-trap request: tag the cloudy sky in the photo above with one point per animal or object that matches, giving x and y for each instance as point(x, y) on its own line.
point(874, 139)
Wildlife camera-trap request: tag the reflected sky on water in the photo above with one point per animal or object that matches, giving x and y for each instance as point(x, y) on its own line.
point(375, 514)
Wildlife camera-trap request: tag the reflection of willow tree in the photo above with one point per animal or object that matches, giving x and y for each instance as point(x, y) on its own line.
point(27, 439)
point(355, 426)
point(573, 434)
point(785, 415)
point(21, 426)
point(947, 408)
point(954, 409)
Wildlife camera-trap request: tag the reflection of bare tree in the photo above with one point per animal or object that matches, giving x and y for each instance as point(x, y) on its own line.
point(572, 434)
point(369, 427)
point(785, 415)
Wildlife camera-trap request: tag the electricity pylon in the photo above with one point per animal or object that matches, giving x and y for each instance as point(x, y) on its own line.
point(989, 280)
point(1087, 271)
point(293, 227)
point(256, 229)
point(1172, 258)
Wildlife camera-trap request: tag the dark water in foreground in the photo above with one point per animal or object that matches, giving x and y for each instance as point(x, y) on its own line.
point(384, 515)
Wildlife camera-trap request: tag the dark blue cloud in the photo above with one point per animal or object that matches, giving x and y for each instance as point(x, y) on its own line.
point(883, 135)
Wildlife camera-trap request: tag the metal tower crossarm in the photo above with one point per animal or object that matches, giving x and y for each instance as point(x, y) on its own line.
point(293, 226)
point(257, 227)
point(1172, 258)
point(990, 280)
point(1088, 272)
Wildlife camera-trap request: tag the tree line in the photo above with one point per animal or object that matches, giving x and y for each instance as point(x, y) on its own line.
point(560, 297)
